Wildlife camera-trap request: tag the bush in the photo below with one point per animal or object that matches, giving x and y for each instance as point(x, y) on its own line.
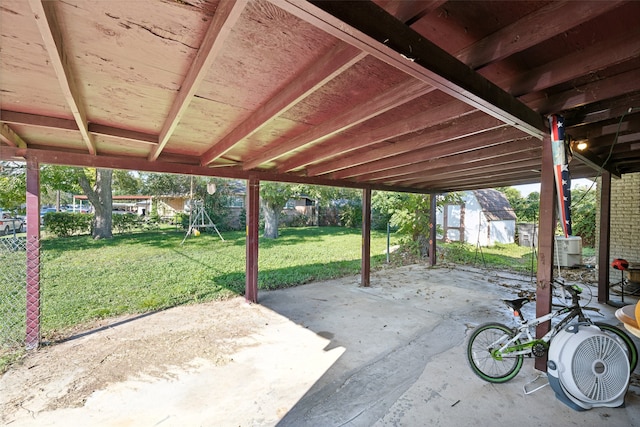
point(351, 215)
point(181, 219)
point(65, 224)
point(123, 223)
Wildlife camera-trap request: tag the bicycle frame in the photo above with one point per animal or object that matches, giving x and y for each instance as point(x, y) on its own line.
point(513, 348)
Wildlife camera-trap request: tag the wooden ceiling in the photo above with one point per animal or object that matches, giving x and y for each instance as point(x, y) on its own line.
point(425, 96)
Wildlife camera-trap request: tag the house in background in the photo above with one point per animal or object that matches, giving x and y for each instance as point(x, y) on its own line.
point(484, 218)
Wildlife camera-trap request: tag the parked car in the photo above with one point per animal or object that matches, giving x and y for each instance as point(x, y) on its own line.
point(9, 223)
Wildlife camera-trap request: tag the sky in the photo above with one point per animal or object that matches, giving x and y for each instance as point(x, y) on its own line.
point(529, 188)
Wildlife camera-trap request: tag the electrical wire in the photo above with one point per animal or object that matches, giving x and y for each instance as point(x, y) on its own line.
point(613, 144)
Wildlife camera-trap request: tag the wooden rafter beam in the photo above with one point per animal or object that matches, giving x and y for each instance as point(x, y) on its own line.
point(399, 94)
point(601, 111)
point(8, 136)
point(540, 25)
point(476, 124)
point(623, 125)
point(141, 164)
point(338, 59)
point(470, 179)
point(543, 24)
point(342, 144)
point(470, 143)
point(595, 162)
point(370, 28)
point(477, 170)
point(599, 56)
point(226, 15)
point(45, 16)
point(26, 119)
point(500, 182)
point(514, 150)
point(599, 90)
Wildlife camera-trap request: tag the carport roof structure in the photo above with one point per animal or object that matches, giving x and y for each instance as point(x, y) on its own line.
point(422, 96)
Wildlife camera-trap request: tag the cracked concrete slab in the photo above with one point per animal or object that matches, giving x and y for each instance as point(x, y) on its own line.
point(325, 354)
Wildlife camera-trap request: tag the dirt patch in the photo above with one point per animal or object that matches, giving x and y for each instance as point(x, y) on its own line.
point(66, 374)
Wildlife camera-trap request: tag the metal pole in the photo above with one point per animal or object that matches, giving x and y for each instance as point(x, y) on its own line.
point(388, 231)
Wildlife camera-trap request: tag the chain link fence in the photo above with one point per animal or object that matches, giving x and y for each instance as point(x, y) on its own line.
point(13, 293)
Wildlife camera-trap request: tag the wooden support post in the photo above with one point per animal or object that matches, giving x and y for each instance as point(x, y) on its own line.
point(253, 216)
point(32, 339)
point(546, 229)
point(432, 229)
point(604, 250)
point(366, 238)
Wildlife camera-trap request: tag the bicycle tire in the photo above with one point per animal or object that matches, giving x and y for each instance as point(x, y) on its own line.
point(480, 356)
point(632, 351)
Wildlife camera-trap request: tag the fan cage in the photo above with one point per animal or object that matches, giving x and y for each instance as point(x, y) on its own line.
point(599, 370)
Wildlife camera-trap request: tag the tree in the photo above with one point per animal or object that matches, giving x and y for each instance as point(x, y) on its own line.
point(583, 215)
point(99, 195)
point(273, 197)
point(13, 184)
point(526, 209)
point(126, 183)
point(411, 214)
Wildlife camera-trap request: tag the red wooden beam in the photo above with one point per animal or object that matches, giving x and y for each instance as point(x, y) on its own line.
point(391, 98)
point(365, 277)
point(371, 29)
point(342, 143)
point(338, 59)
point(543, 24)
point(141, 164)
point(253, 217)
point(479, 123)
point(32, 340)
point(507, 152)
point(604, 249)
point(226, 15)
point(547, 225)
point(599, 90)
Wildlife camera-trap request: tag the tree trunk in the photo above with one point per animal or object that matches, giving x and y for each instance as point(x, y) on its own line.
point(101, 198)
point(271, 220)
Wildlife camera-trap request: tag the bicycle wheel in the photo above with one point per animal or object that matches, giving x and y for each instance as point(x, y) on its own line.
point(494, 368)
point(623, 339)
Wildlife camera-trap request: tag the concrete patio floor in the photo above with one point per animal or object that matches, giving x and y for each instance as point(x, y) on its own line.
point(334, 354)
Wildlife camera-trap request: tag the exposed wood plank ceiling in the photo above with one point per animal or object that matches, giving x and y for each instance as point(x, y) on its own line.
point(407, 95)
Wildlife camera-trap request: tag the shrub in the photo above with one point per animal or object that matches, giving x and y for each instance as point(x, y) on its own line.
point(123, 223)
point(65, 224)
point(181, 219)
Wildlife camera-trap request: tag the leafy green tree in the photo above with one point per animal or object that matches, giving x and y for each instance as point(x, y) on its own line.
point(583, 215)
point(526, 209)
point(411, 214)
point(383, 205)
point(126, 183)
point(340, 203)
point(163, 184)
point(13, 184)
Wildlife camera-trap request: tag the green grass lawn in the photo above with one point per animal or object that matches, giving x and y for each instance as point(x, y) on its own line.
point(505, 256)
point(84, 279)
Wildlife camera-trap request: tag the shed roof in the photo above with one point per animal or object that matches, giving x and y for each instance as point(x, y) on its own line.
point(495, 205)
point(424, 96)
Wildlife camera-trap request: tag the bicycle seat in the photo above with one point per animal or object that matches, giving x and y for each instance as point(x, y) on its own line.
point(516, 304)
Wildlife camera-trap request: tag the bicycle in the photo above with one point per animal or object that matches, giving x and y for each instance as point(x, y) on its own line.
point(496, 351)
